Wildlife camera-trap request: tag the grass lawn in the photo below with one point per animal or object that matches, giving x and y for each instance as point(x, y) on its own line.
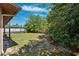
point(23, 38)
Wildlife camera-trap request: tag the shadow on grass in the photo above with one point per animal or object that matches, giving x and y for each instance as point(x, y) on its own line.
point(42, 48)
point(34, 48)
point(8, 42)
point(39, 48)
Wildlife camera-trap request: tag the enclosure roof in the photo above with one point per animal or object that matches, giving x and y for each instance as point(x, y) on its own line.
point(8, 10)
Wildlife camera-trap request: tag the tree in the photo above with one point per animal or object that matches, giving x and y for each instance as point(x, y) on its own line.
point(63, 22)
point(36, 24)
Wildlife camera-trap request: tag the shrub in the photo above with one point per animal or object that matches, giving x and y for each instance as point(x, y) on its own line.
point(63, 22)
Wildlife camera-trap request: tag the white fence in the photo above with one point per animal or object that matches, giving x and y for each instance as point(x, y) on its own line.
point(14, 29)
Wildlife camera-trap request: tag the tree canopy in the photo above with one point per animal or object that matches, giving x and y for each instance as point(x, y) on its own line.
point(36, 24)
point(63, 22)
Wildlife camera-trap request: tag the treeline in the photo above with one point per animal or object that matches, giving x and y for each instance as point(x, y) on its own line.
point(36, 24)
point(63, 22)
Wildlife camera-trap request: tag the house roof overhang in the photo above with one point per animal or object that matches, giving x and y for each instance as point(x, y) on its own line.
point(8, 11)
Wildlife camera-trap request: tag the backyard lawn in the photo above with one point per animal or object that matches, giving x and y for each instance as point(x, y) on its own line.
point(24, 38)
point(30, 44)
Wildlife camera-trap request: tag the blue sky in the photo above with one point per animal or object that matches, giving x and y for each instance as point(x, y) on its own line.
point(27, 9)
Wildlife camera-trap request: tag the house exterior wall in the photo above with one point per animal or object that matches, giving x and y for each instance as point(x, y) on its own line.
point(1, 33)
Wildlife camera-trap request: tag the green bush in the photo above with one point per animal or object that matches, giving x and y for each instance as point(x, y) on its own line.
point(63, 22)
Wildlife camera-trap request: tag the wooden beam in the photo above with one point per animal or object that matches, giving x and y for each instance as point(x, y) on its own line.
point(9, 32)
point(6, 19)
point(7, 15)
point(4, 30)
point(0, 19)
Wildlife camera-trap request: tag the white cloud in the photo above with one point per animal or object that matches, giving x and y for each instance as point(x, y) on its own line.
point(42, 15)
point(34, 9)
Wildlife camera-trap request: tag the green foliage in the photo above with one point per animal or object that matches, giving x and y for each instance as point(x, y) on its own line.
point(36, 24)
point(63, 22)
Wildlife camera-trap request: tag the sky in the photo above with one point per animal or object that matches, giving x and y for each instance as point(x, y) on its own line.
point(21, 17)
